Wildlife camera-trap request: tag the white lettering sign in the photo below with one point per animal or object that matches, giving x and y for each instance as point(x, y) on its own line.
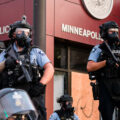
point(4, 29)
point(80, 31)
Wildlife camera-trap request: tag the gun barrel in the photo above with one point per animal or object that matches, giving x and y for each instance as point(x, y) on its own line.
point(26, 74)
point(12, 53)
point(113, 56)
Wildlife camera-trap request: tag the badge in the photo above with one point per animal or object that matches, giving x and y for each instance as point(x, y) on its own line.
point(41, 53)
point(17, 97)
point(94, 49)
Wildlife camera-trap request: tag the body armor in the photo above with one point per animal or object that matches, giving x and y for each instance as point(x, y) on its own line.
point(110, 76)
point(15, 77)
point(104, 28)
point(67, 111)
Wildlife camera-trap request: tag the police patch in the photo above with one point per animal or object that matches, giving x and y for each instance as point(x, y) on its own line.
point(93, 50)
point(41, 53)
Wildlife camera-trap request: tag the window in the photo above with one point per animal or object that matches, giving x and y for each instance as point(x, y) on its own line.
point(60, 56)
point(68, 57)
point(60, 85)
point(78, 59)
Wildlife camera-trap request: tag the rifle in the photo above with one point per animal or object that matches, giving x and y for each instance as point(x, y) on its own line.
point(12, 54)
point(110, 51)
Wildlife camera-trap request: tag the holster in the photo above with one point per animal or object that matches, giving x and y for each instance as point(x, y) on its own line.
point(92, 75)
point(95, 90)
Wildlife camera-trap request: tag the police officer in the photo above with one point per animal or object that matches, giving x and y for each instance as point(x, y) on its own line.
point(67, 111)
point(33, 60)
point(106, 69)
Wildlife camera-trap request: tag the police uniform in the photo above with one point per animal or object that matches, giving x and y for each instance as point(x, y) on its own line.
point(38, 57)
point(106, 77)
point(95, 53)
point(55, 116)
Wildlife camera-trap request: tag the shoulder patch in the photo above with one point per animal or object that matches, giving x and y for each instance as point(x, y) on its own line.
point(41, 52)
point(94, 49)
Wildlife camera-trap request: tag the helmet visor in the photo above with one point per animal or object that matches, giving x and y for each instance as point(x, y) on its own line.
point(20, 30)
point(16, 102)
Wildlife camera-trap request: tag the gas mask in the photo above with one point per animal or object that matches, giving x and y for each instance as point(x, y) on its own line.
point(113, 38)
point(23, 40)
point(109, 31)
point(68, 107)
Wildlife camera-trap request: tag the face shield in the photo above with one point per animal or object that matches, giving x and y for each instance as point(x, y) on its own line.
point(18, 25)
point(22, 37)
point(25, 30)
point(16, 102)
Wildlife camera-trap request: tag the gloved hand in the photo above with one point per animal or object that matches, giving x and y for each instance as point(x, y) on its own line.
point(10, 63)
point(37, 89)
point(110, 63)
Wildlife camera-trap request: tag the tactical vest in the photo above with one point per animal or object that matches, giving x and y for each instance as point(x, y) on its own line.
point(64, 116)
point(15, 77)
point(110, 76)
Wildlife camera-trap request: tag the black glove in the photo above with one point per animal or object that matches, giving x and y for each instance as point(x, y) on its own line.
point(37, 89)
point(110, 63)
point(10, 63)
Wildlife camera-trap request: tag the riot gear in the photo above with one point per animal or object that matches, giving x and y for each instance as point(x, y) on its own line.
point(112, 38)
point(104, 62)
point(25, 75)
point(15, 77)
point(65, 98)
point(16, 103)
point(67, 106)
point(16, 74)
point(10, 63)
point(23, 40)
point(19, 24)
point(67, 111)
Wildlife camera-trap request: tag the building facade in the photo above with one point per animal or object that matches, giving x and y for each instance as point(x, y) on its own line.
point(72, 28)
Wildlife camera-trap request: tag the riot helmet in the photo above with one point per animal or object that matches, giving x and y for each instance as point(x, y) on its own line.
point(65, 98)
point(16, 103)
point(66, 102)
point(22, 38)
point(104, 32)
